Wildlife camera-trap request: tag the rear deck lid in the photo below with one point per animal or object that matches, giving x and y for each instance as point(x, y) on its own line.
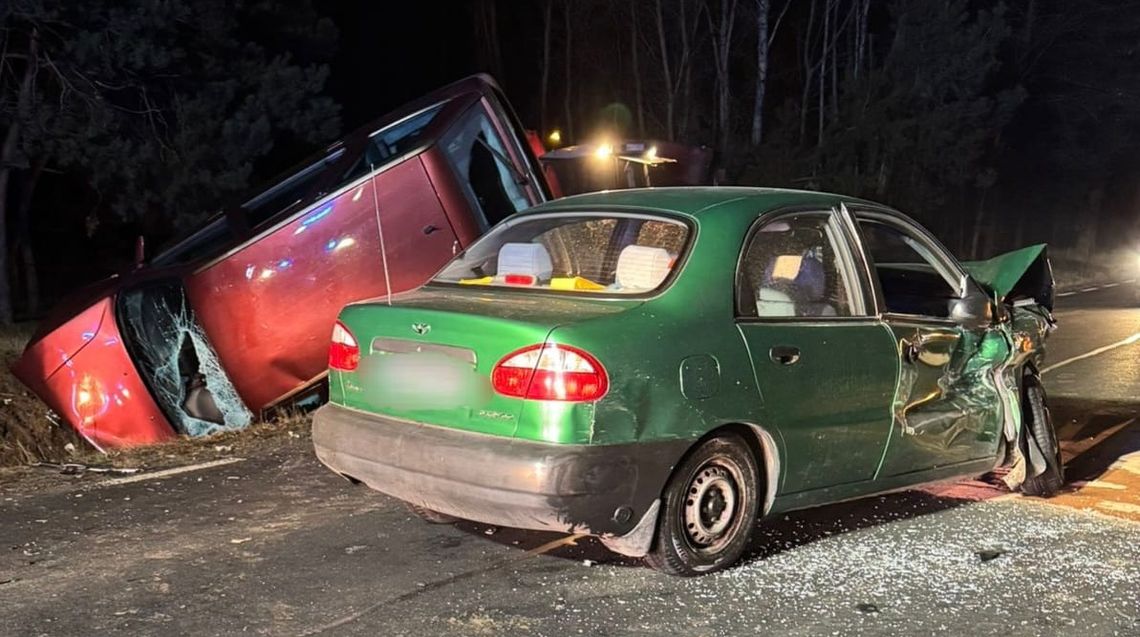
point(428, 357)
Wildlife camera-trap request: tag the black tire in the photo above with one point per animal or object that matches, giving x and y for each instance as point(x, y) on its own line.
point(1037, 429)
point(710, 508)
point(435, 517)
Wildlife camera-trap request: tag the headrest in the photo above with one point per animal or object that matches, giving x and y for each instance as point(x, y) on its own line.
point(803, 274)
point(771, 302)
point(642, 267)
point(525, 258)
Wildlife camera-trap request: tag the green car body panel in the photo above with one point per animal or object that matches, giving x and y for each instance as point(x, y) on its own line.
point(853, 416)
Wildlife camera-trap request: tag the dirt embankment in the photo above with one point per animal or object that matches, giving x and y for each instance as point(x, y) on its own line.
point(28, 431)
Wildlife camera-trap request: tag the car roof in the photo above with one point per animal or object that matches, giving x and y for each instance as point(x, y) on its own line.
point(696, 201)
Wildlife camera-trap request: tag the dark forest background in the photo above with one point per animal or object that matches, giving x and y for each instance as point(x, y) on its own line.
point(994, 123)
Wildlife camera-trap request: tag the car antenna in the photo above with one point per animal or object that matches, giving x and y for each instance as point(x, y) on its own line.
point(380, 230)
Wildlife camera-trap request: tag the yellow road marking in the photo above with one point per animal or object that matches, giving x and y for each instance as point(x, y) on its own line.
point(1123, 507)
point(1099, 484)
point(569, 540)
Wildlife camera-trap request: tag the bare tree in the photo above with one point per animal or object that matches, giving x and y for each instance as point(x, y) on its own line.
point(675, 67)
point(862, 8)
point(9, 153)
point(568, 80)
point(722, 29)
point(487, 29)
point(25, 260)
point(816, 69)
point(547, 19)
point(764, 38)
point(634, 45)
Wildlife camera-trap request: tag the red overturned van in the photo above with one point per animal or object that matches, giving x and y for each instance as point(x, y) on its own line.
point(234, 319)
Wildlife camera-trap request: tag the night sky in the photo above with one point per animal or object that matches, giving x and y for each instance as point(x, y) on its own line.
point(391, 53)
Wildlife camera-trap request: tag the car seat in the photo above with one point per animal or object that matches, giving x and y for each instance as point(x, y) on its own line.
point(793, 285)
point(527, 259)
point(642, 268)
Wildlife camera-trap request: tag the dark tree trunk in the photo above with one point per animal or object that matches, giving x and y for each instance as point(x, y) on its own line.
point(547, 18)
point(8, 154)
point(722, 48)
point(634, 43)
point(568, 80)
point(762, 7)
point(24, 251)
point(670, 94)
point(823, 71)
point(487, 31)
point(808, 71)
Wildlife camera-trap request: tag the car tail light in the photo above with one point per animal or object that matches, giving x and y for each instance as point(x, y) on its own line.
point(520, 279)
point(344, 353)
point(550, 372)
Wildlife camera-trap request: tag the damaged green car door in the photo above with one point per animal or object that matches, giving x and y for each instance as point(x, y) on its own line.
point(947, 408)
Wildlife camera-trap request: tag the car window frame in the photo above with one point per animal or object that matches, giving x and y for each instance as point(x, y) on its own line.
point(487, 109)
point(946, 265)
point(521, 155)
point(847, 266)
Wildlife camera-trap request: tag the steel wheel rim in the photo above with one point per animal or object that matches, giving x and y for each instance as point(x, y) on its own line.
point(712, 506)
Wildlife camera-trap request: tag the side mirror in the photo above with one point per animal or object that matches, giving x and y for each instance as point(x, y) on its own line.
point(974, 311)
point(140, 251)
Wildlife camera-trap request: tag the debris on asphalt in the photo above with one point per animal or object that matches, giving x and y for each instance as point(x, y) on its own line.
point(75, 468)
point(867, 608)
point(990, 554)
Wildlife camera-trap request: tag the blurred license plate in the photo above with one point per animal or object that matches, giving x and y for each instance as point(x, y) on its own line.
point(423, 380)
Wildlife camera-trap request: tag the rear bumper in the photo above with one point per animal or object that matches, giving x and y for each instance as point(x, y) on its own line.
point(606, 490)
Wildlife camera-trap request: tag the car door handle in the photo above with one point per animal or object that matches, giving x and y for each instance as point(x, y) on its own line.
point(932, 350)
point(428, 229)
point(784, 354)
point(911, 350)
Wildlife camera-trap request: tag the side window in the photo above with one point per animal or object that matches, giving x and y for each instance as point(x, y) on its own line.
point(792, 267)
point(391, 142)
point(912, 279)
point(287, 192)
point(481, 161)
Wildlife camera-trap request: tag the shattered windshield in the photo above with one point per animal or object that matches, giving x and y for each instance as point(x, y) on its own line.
point(616, 254)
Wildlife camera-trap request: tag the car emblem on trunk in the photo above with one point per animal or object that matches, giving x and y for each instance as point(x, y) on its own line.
point(421, 328)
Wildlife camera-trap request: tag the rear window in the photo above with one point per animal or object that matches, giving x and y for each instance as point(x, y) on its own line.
point(607, 254)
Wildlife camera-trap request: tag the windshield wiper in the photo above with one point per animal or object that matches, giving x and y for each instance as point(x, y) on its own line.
point(520, 178)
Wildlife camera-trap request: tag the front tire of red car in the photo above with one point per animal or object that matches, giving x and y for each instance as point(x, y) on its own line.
point(710, 508)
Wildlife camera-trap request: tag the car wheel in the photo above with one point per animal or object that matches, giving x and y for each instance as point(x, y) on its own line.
point(1038, 429)
point(435, 517)
point(710, 509)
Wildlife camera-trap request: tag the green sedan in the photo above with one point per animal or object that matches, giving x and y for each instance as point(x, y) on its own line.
point(661, 368)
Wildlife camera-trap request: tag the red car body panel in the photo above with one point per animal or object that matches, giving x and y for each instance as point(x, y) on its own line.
point(96, 388)
point(266, 296)
point(269, 307)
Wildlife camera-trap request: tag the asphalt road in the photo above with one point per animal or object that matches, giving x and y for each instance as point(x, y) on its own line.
point(274, 544)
